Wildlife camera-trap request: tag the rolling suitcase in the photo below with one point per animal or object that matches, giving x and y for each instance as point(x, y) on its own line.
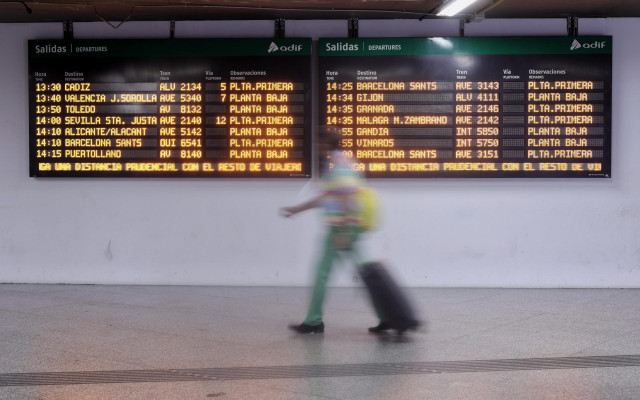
point(387, 297)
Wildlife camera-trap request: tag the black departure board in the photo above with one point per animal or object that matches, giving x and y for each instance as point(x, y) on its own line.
point(170, 108)
point(470, 106)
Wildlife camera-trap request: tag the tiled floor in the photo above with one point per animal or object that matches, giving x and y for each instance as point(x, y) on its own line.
point(174, 342)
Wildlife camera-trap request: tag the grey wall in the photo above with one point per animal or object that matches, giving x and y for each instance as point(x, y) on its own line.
point(444, 232)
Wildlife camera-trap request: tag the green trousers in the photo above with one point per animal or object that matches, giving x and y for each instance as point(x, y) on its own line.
point(323, 269)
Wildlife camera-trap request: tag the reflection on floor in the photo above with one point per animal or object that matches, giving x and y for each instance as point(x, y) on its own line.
point(177, 342)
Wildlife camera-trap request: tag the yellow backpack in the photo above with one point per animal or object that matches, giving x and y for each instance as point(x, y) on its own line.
point(368, 199)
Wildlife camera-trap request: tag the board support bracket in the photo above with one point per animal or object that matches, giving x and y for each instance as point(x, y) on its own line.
point(572, 26)
point(67, 30)
point(279, 27)
point(353, 27)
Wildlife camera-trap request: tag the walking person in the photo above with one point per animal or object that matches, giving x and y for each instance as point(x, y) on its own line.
point(340, 202)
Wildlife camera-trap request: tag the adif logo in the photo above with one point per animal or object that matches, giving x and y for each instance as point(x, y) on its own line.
point(274, 47)
point(575, 45)
point(595, 45)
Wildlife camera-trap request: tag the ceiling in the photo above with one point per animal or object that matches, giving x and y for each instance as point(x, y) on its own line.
point(166, 10)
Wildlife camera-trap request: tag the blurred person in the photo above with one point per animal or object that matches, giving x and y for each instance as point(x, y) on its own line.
point(343, 216)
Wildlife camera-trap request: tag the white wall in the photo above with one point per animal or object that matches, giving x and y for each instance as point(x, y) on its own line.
point(437, 232)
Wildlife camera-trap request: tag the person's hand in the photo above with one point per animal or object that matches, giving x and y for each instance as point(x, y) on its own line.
point(288, 212)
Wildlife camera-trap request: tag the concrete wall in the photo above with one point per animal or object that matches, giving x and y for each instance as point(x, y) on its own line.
point(436, 232)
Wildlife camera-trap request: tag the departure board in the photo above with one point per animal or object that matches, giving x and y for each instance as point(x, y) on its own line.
point(170, 108)
point(470, 106)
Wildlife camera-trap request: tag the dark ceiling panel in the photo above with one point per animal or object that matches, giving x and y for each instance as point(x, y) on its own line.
point(565, 8)
point(147, 10)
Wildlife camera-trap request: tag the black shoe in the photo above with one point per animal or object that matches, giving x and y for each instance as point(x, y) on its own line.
point(304, 328)
point(382, 326)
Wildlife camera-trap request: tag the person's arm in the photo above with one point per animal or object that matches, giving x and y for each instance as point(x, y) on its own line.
point(307, 205)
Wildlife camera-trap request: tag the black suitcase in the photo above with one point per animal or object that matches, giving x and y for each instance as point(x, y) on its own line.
point(388, 298)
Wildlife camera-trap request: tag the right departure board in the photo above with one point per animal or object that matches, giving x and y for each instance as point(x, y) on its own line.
point(470, 106)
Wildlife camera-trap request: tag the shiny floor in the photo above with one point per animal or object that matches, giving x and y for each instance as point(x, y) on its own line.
point(175, 342)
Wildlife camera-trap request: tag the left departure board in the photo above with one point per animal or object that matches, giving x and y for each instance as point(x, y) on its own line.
point(170, 108)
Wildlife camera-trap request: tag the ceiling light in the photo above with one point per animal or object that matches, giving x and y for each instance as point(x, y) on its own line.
point(454, 7)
